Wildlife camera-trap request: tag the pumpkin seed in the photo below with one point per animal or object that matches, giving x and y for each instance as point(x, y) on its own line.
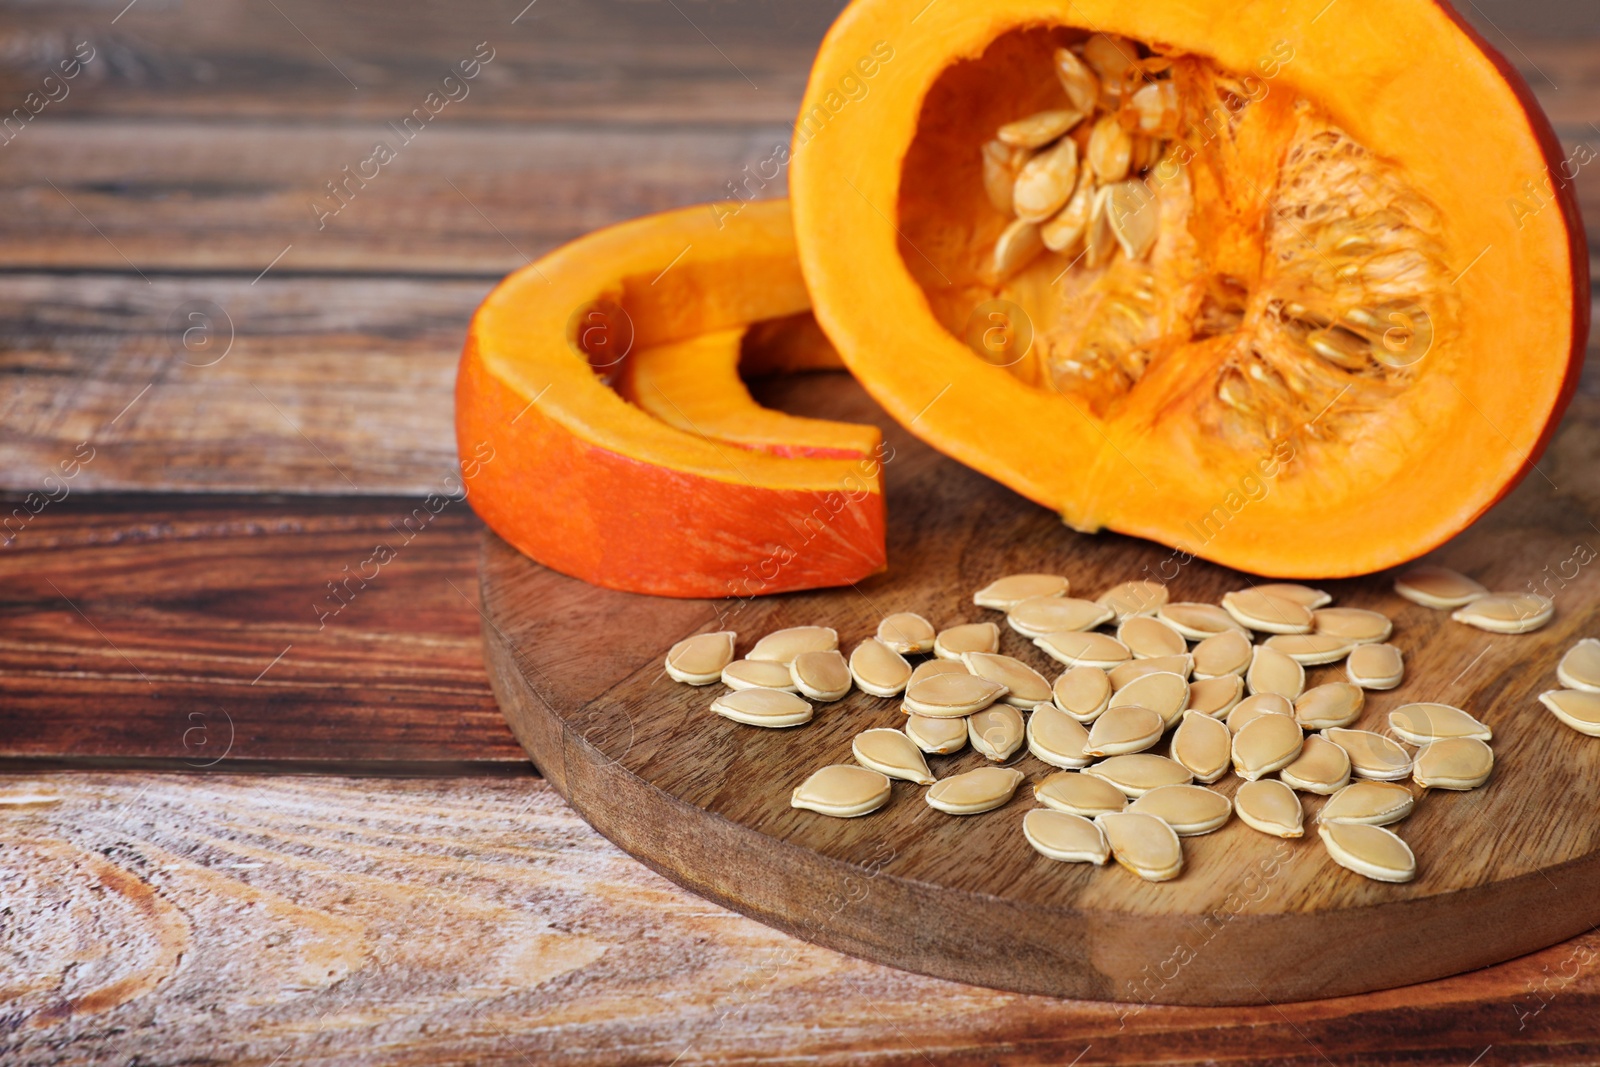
point(1368, 850)
point(1082, 692)
point(1458, 763)
point(1438, 587)
point(843, 791)
point(1098, 240)
point(997, 731)
point(938, 736)
point(1125, 729)
point(782, 646)
point(1254, 707)
point(1577, 708)
point(1053, 615)
point(1311, 650)
point(1045, 182)
point(1333, 704)
point(1271, 807)
point(1322, 767)
point(1303, 595)
point(1003, 594)
point(1273, 672)
point(1372, 755)
point(1156, 106)
point(1056, 738)
point(1419, 724)
point(1265, 744)
point(1215, 696)
point(1373, 803)
point(1114, 59)
point(1580, 667)
point(1025, 687)
point(1165, 694)
point(936, 666)
point(1203, 746)
point(1356, 625)
point(975, 791)
point(1223, 654)
point(1191, 810)
point(699, 660)
point(1081, 85)
point(1147, 637)
point(757, 674)
point(907, 633)
point(1068, 838)
point(1135, 217)
point(1507, 613)
point(1144, 844)
point(969, 637)
point(946, 696)
point(1110, 152)
point(822, 676)
point(879, 669)
point(1266, 613)
point(1139, 772)
point(1197, 621)
point(1375, 666)
point(1134, 598)
point(1124, 673)
point(1079, 794)
point(891, 753)
point(1018, 245)
point(1067, 227)
point(1084, 649)
point(1000, 165)
point(1040, 128)
point(763, 707)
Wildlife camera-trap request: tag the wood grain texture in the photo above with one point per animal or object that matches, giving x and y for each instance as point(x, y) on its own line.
point(705, 801)
point(203, 634)
point(331, 921)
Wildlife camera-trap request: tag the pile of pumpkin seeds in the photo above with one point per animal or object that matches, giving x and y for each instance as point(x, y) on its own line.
point(1223, 686)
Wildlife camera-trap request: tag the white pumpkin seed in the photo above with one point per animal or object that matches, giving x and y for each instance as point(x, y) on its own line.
point(699, 660)
point(822, 676)
point(1124, 673)
point(1368, 850)
point(1082, 692)
point(907, 633)
point(1000, 165)
point(1143, 844)
point(1303, 595)
point(1018, 245)
point(1139, 772)
point(1266, 613)
point(1223, 654)
point(1045, 182)
point(1373, 803)
point(879, 669)
point(1265, 744)
point(937, 736)
point(1084, 649)
point(946, 696)
point(1053, 615)
point(1165, 694)
point(1271, 807)
point(1197, 621)
point(932, 667)
point(1068, 838)
point(1125, 729)
point(1156, 105)
point(1057, 738)
point(1098, 241)
point(1079, 794)
point(1273, 672)
point(1066, 229)
point(1203, 746)
point(975, 791)
point(1356, 625)
point(1147, 637)
point(1191, 810)
point(1419, 724)
point(1114, 59)
point(891, 753)
point(1334, 704)
point(1215, 696)
point(1580, 667)
point(782, 646)
point(1081, 85)
point(1577, 708)
point(1025, 687)
point(1140, 597)
point(969, 637)
point(1003, 594)
point(1135, 217)
point(1457, 763)
point(1254, 707)
point(1110, 151)
point(1375, 666)
point(1322, 767)
point(1438, 587)
point(773, 708)
point(1372, 755)
point(997, 731)
point(1040, 128)
point(843, 791)
point(757, 674)
point(1507, 613)
point(1311, 650)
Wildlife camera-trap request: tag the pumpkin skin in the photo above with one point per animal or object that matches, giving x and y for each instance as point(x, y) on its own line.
point(892, 226)
point(571, 474)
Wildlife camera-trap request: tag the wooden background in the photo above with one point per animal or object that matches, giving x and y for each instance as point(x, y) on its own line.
point(383, 877)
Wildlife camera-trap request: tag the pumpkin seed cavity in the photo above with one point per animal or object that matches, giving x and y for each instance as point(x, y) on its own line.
point(699, 660)
point(843, 791)
point(1068, 838)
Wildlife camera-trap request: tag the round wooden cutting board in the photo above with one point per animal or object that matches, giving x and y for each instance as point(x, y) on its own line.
point(1503, 870)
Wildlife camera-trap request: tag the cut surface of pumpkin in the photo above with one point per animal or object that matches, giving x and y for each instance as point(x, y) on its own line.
point(696, 491)
point(1312, 298)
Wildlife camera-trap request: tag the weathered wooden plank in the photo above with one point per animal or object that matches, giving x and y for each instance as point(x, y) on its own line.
point(214, 633)
point(253, 920)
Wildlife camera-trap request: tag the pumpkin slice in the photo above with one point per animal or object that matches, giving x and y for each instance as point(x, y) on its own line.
point(573, 475)
point(1302, 287)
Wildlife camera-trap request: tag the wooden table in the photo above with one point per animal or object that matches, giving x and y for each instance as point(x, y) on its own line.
point(242, 826)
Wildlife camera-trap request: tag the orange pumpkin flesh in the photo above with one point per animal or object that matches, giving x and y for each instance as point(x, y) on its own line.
point(1357, 329)
point(593, 486)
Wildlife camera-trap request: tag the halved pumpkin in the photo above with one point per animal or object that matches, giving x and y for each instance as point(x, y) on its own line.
point(727, 499)
point(1294, 286)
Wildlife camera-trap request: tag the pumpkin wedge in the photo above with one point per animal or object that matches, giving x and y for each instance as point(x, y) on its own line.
point(1293, 286)
point(732, 499)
